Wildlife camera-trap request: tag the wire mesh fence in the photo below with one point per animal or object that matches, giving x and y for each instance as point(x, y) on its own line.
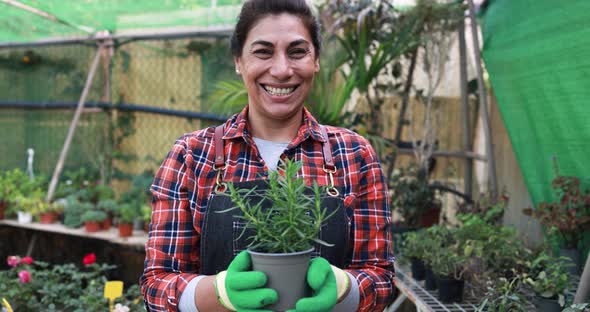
point(135, 105)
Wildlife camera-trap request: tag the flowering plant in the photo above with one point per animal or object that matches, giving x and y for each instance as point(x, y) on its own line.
point(37, 286)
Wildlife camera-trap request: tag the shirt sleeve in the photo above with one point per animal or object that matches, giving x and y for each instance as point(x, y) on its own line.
point(372, 261)
point(172, 249)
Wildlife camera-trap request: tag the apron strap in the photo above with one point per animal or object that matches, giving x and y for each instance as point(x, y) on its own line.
point(327, 149)
point(218, 142)
point(329, 166)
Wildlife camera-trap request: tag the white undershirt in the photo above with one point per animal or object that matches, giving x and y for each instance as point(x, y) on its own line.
point(270, 151)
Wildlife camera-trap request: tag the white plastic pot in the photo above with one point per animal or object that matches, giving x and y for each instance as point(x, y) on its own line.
point(24, 217)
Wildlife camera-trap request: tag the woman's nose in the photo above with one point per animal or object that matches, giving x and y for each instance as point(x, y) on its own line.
point(280, 68)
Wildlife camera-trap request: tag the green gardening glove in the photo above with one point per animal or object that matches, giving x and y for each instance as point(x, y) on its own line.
point(240, 289)
point(328, 284)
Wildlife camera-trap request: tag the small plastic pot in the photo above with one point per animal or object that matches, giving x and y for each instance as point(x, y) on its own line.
point(546, 305)
point(429, 279)
point(450, 290)
point(418, 269)
point(286, 273)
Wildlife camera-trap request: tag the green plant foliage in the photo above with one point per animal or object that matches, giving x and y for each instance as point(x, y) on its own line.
point(73, 211)
point(548, 277)
point(107, 205)
point(568, 217)
point(127, 213)
point(294, 220)
point(412, 195)
point(64, 287)
point(578, 307)
point(16, 185)
point(485, 209)
point(505, 296)
point(93, 216)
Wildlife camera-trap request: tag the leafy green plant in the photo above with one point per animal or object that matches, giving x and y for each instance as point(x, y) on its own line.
point(73, 211)
point(64, 287)
point(127, 213)
point(505, 295)
point(93, 216)
point(578, 307)
point(146, 213)
point(569, 215)
point(412, 195)
point(485, 208)
point(293, 221)
point(107, 205)
point(548, 277)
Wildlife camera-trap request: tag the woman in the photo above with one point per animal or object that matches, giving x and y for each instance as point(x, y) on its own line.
point(191, 262)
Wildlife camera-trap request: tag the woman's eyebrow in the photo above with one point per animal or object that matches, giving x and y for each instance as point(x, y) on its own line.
point(262, 42)
point(298, 42)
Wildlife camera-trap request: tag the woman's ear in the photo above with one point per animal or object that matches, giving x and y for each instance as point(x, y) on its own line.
point(317, 64)
point(237, 64)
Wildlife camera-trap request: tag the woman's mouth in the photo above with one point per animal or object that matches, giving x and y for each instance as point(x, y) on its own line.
point(279, 91)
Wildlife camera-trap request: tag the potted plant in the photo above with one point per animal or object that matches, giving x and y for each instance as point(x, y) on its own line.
point(434, 239)
point(548, 278)
point(283, 235)
point(449, 265)
point(568, 217)
point(146, 213)
point(93, 219)
point(49, 212)
point(109, 206)
point(414, 249)
point(126, 213)
point(505, 296)
point(29, 206)
point(414, 199)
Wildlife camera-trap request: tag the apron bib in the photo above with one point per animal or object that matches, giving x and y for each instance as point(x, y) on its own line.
point(223, 236)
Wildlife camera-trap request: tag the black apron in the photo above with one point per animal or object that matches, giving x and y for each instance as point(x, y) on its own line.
point(221, 235)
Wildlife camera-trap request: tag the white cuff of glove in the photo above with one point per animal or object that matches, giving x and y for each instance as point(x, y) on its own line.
point(342, 282)
point(222, 292)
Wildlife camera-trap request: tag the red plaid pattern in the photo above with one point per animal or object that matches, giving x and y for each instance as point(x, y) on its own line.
point(185, 182)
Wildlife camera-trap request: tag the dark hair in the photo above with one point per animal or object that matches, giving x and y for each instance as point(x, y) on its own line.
point(254, 10)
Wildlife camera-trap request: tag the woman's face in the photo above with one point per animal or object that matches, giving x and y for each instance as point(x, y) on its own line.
point(278, 63)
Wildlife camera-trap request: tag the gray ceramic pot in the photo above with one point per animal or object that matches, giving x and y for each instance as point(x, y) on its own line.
point(286, 273)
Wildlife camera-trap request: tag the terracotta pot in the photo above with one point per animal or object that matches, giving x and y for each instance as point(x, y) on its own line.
point(92, 226)
point(48, 217)
point(125, 229)
point(432, 216)
point(3, 206)
point(106, 224)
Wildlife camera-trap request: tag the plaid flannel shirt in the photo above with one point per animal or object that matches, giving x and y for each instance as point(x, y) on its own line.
point(185, 181)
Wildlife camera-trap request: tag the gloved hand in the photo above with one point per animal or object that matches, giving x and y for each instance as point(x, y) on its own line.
point(240, 289)
point(328, 283)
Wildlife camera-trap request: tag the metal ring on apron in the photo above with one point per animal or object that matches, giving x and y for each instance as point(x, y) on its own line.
point(331, 190)
point(220, 187)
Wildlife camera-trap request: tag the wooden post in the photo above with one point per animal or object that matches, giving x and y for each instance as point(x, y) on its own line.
point(467, 145)
point(483, 103)
point(402, 113)
point(74, 124)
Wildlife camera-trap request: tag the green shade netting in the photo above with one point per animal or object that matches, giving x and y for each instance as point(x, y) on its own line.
point(88, 16)
point(537, 53)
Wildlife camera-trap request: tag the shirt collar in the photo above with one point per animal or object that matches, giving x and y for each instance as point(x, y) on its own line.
point(237, 126)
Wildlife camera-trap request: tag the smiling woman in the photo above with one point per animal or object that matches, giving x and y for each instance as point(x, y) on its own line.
point(195, 258)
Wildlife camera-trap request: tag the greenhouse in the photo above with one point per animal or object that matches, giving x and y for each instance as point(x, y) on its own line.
point(294, 155)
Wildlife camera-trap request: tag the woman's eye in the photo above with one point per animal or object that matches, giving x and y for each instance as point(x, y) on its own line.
point(298, 53)
point(264, 53)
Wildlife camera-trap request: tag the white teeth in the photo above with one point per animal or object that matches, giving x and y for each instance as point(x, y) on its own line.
point(278, 91)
